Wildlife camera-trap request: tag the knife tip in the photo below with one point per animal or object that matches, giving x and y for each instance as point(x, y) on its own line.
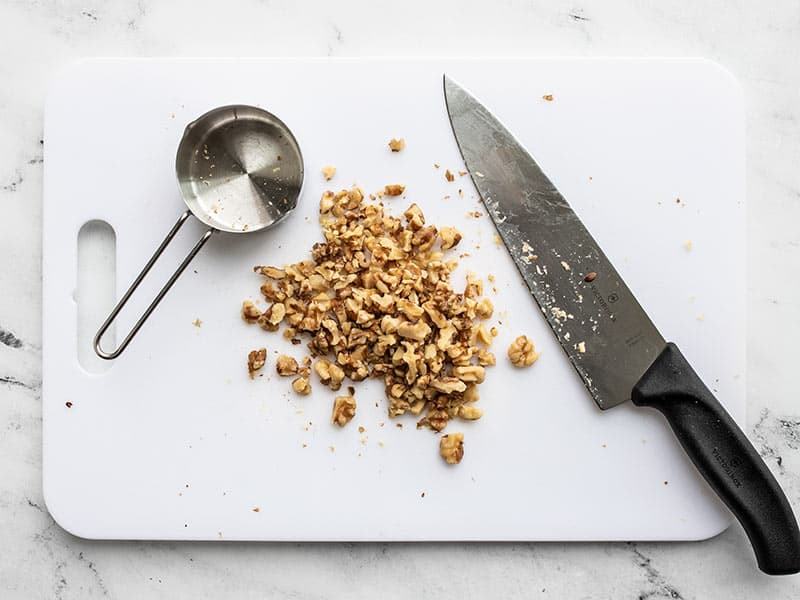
point(450, 86)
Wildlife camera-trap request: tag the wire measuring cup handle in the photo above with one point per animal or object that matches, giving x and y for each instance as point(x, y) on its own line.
point(156, 255)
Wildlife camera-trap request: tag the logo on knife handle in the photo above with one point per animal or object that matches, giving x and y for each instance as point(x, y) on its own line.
point(728, 467)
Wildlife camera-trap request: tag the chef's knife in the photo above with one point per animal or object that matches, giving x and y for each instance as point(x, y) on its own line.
point(609, 339)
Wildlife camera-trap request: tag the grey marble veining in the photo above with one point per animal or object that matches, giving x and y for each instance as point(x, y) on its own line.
point(759, 42)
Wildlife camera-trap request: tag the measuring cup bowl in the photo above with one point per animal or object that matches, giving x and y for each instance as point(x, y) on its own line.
point(239, 170)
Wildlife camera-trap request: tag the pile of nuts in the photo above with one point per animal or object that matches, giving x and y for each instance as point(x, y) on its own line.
point(376, 300)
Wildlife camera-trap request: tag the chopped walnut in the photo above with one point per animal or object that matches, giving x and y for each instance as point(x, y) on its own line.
point(255, 360)
point(328, 172)
point(471, 393)
point(418, 331)
point(329, 373)
point(250, 313)
point(469, 412)
point(448, 385)
point(451, 448)
point(450, 237)
point(273, 316)
point(322, 367)
point(449, 176)
point(486, 358)
point(414, 217)
point(437, 419)
point(286, 366)
point(326, 202)
point(522, 352)
point(471, 373)
point(483, 335)
point(484, 309)
point(394, 189)
point(344, 409)
point(375, 299)
point(397, 145)
point(302, 386)
point(271, 272)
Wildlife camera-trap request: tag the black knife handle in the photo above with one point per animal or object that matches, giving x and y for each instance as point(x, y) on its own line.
point(725, 457)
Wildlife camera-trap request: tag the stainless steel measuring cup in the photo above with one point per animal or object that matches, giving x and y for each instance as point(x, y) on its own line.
point(239, 170)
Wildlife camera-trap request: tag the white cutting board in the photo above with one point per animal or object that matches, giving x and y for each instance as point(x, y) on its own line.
point(174, 441)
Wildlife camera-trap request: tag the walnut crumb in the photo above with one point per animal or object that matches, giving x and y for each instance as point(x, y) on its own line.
point(328, 172)
point(302, 386)
point(286, 365)
point(451, 448)
point(449, 176)
point(344, 409)
point(548, 97)
point(197, 323)
point(250, 313)
point(522, 352)
point(255, 360)
point(450, 237)
point(397, 145)
point(469, 412)
point(394, 189)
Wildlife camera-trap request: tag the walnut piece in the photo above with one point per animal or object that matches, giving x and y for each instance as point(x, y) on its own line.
point(397, 145)
point(486, 358)
point(450, 237)
point(394, 189)
point(470, 373)
point(249, 312)
point(484, 309)
point(328, 172)
point(271, 272)
point(302, 386)
point(344, 409)
point(329, 373)
point(255, 360)
point(286, 366)
point(471, 393)
point(522, 353)
point(418, 331)
point(469, 412)
point(451, 448)
point(437, 419)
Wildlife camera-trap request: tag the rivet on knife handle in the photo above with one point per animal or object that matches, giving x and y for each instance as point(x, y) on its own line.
point(725, 457)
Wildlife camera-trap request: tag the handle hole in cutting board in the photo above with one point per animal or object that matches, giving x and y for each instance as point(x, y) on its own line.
point(95, 290)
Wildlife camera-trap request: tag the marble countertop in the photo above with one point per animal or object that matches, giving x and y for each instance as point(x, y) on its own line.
point(754, 41)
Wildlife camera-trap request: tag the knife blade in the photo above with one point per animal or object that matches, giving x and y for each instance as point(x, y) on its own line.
point(607, 336)
point(595, 317)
